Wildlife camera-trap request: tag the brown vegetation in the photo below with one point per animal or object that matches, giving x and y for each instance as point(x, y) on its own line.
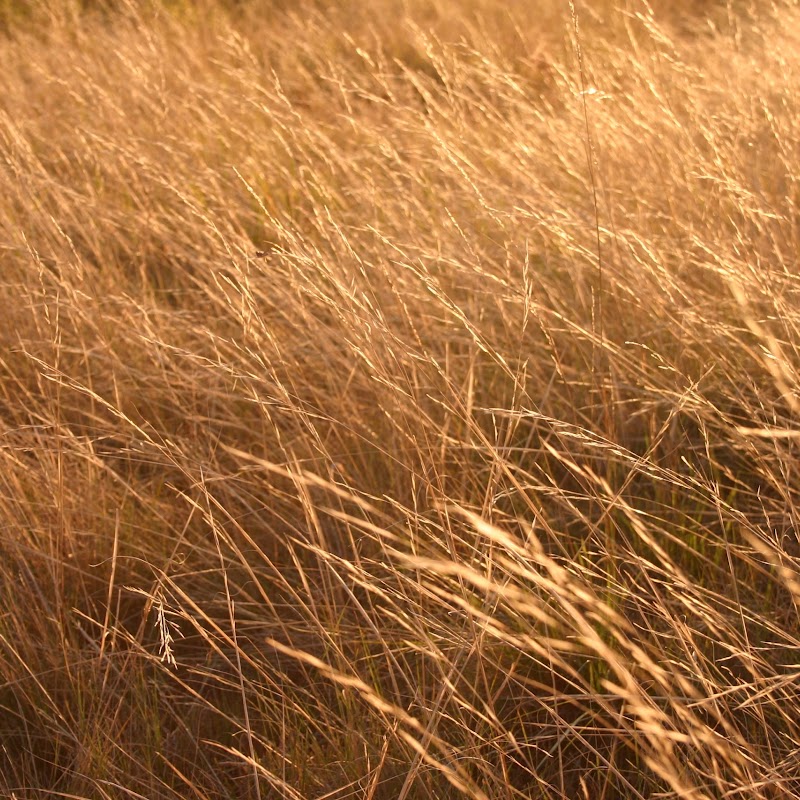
point(400, 400)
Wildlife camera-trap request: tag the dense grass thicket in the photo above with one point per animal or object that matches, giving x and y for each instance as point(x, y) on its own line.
point(400, 400)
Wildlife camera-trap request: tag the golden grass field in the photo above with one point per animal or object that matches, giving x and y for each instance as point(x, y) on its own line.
point(399, 400)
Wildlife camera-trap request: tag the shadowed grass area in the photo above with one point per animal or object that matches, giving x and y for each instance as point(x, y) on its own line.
point(399, 401)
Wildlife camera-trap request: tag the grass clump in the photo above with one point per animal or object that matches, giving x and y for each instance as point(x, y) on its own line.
point(399, 405)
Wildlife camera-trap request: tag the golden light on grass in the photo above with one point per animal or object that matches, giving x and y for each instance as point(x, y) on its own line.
point(399, 401)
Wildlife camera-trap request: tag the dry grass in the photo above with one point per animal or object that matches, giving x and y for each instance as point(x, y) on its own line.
point(479, 480)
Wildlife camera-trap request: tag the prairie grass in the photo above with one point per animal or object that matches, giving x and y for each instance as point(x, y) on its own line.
point(400, 400)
